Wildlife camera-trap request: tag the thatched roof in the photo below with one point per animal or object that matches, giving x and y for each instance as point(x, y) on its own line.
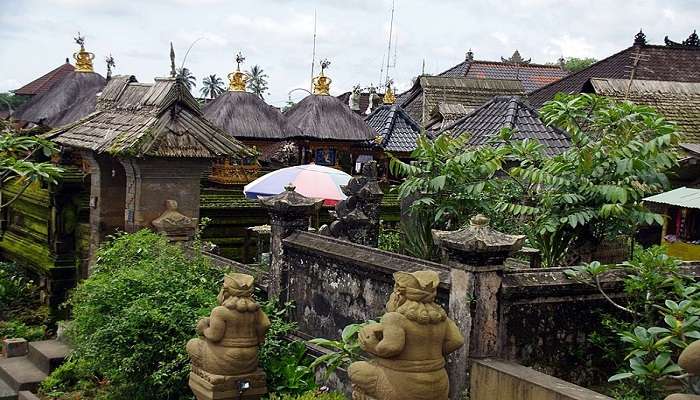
point(246, 116)
point(161, 119)
point(327, 118)
point(72, 98)
point(46, 81)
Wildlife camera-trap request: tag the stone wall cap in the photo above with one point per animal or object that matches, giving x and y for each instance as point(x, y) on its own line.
point(290, 201)
point(478, 237)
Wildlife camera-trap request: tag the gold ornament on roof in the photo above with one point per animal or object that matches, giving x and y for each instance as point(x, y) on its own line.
point(322, 83)
point(389, 97)
point(237, 80)
point(83, 59)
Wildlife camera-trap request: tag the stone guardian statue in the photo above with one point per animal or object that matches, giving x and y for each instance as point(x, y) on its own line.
point(409, 344)
point(225, 358)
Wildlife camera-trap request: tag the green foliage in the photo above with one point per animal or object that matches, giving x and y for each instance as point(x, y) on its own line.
point(389, 239)
point(20, 161)
point(17, 329)
point(344, 351)
point(257, 81)
point(575, 64)
point(9, 101)
point(664, 309)
point(311, 395)
point(620, 154)
point(21, 312)
point(212, 86)
point(185, 75)
point(286, 363)
point(134, 314)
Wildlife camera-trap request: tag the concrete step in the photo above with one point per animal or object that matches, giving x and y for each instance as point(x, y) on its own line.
point(47, 355)
point(20, 373)
point(6, 392)
point(27, 395)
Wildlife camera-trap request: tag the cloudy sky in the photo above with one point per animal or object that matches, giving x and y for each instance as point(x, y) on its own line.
point(37, 35)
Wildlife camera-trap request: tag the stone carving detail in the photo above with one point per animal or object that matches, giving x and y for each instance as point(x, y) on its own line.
point(225, 359)
point(176, 226)
point(354, 100)
point(516, 59)
point(409, 344)
point(692, 41)
point(357, 218)
point(640, 39)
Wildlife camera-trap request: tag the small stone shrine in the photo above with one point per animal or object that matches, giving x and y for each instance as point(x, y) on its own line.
point(357, 218)
point(409, 345)
point(176, 226)
point(225, 358)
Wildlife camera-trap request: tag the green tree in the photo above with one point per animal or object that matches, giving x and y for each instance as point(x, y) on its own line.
point(575, 64)
point(212, 86)
point(187, 78)
point(257, 81)
point(620, 154)
point(21, 161)
point(10, 102)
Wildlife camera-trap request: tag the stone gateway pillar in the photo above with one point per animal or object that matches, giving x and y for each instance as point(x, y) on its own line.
point(289, 212)
point(476, 256)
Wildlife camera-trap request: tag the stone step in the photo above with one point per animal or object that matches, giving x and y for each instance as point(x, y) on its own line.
point(48, 354)
point(20, 373)
point(27, 395)
point(6, 392)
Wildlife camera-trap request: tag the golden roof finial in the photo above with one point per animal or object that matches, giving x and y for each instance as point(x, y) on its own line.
point(83, 59)
point(389, 97)
point(322, 83)
point(237, 79)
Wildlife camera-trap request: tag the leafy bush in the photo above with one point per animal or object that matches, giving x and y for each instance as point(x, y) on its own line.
point(389, 239)
point(21, 312)
point(17, 329)
point(311, 395)
point(286, 363)
point(134, 314)
point(344, 351)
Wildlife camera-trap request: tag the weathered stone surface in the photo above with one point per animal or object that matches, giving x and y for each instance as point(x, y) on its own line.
point(176, 226)
point(408, 346)
point(20, 373)
point(689, 360)
point(14, 347)
point(357, 217)
point(225, 359)
point(47, 355)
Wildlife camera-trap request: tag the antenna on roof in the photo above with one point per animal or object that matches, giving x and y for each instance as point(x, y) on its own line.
point(391, 32)
point(313, 54)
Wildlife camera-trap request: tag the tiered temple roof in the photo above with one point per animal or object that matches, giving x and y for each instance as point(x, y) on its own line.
point(484, 124)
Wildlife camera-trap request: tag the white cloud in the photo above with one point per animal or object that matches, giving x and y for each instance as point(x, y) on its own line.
point(572, 46)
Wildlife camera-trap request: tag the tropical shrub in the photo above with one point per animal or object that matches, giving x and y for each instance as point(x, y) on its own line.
point(620, 154)
point(661, 317)
point(343, 351)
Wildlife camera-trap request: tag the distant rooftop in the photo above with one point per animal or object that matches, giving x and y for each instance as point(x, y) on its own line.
point(46, 81)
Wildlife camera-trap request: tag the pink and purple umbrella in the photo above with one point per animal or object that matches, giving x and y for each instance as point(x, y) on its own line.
point(311, 180)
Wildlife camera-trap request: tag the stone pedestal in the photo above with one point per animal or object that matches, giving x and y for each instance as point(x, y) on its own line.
point(216, 387)
point(476, 256)
point(289, 212)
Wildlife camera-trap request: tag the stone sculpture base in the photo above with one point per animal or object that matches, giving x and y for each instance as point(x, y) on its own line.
point(218, 387)
point(358, 394)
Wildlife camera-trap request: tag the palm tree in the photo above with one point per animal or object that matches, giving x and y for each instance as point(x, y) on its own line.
point(257, 81)
point(213, 86)
point(186, 75)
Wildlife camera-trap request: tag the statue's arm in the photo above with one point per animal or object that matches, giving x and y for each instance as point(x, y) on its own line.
point(262, 327)
point(393, 336)
point(217, 325)
point(453, 338)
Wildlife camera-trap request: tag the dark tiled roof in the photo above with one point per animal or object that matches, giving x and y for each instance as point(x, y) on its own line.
point(677, 101)
point(532, 76)
point(161, 119)
point(396, 131)
point(327, 118)
point(661, 63)
point(69, 100)
point(45, 82)
point(246, 116)
point(484, 123)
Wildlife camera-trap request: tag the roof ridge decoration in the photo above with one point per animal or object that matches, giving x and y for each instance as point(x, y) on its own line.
point(322, 83)
point(692, 41)
point(109, 60)
point(516, 59)
point(389, 97)
point(83, 59)
point(237, 79)
point(640, 39)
